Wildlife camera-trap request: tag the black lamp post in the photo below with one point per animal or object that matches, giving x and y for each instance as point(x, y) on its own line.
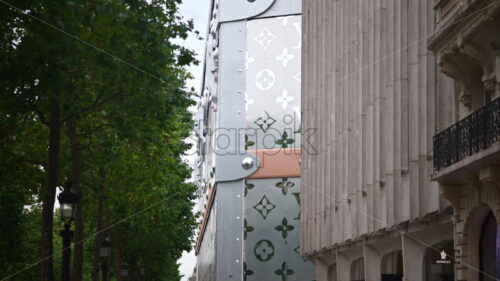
point(124, 269)
point(68, 201)
point(105, 254)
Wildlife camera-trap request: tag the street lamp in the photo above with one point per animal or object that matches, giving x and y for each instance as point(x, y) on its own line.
point(105, 253)
point(68, 201)
point(124, 269)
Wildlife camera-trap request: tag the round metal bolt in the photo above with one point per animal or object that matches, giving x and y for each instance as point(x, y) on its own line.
point(247, 163)
point(237, 218)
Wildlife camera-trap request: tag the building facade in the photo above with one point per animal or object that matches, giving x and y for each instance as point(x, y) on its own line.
point(466, 149)
point(248, 128)
point(371, 209)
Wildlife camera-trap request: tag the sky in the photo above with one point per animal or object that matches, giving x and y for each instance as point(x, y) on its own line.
point(198, 10)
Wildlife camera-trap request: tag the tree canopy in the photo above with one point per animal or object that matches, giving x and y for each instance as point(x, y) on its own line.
point(94, 91)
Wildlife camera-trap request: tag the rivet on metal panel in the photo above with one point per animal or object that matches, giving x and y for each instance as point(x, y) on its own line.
point(240, 50)
point(237, 261)
point(240, 92)
point(240, 70)
point(247, 163)
point(237, 239)
point(239, 112)
point(237, 218)
point(238, 196)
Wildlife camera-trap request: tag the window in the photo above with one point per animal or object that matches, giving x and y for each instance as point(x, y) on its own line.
point(392, 266)
point(489, 250)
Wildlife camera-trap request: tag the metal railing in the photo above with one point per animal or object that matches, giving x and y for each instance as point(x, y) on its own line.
point(470, 135)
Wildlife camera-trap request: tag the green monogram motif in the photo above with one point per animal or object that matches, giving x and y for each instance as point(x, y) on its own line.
point(264, 250)
point(264, 207)
point(284, 228)
point(265, 122)
point(285, 184)
point(248, 186)
point(246, 271)
point(246, 229)
point(284, 271)
point(284, 141)
point(297, 250)
point(297, 197)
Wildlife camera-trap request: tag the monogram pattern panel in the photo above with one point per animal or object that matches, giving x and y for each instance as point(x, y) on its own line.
point(272, 206)
point(272, 97)
point(271, 231)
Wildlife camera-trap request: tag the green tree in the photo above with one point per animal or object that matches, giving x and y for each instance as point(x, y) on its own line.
point(79, 73)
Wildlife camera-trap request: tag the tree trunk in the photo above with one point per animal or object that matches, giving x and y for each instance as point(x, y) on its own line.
point(52, 174)
point(76, 161)
point(100, 226)
point(118, 253)
point(133, 272)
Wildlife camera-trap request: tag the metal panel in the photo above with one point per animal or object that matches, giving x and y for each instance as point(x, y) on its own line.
point(230, 138)
point(206, 254)
point(229, 165)
point(229, 233)
point(283, 8)
point(233, 10)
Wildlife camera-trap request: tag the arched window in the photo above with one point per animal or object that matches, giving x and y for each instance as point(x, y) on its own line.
point(358, 270)
point(392, 266)
point(489, 250)
point(439, 262)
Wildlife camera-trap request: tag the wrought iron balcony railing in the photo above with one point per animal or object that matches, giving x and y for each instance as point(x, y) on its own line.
point(470, 135)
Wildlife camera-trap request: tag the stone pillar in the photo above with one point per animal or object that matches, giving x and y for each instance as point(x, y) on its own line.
point(372, 264)
point(321, 269)
point(413, 258)
point(343, 268)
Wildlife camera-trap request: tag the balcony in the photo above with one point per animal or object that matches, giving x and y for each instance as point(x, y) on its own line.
point(475, 137)
point(445, 9)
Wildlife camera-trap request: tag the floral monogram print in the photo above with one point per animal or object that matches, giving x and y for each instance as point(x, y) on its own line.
point(284, 271)
point(285, 141)
point(264, 207)
point(285, 57)
point(265, 38)
point(246, 228)
point(284, 99)
point(265, 79)
point(284, 228)
point(265, 122)
point(248, 186)
point(285, 184)
point(297, 197)
point(264, 250)
point(246, 271)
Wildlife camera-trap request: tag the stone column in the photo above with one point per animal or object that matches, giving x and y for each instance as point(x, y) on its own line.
point(343, 268)
point(413, 258)
point(372, 264)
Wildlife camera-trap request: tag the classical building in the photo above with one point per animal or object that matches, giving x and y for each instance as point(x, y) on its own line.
point(374, 97)
point(248, 128)
point(467, 149)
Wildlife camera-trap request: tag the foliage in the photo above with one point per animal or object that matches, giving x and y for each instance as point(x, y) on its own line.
point(112, 67)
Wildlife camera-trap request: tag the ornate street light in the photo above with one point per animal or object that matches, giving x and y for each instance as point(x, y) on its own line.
point(105, 253)
point(68, 201)
point(124, 269)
